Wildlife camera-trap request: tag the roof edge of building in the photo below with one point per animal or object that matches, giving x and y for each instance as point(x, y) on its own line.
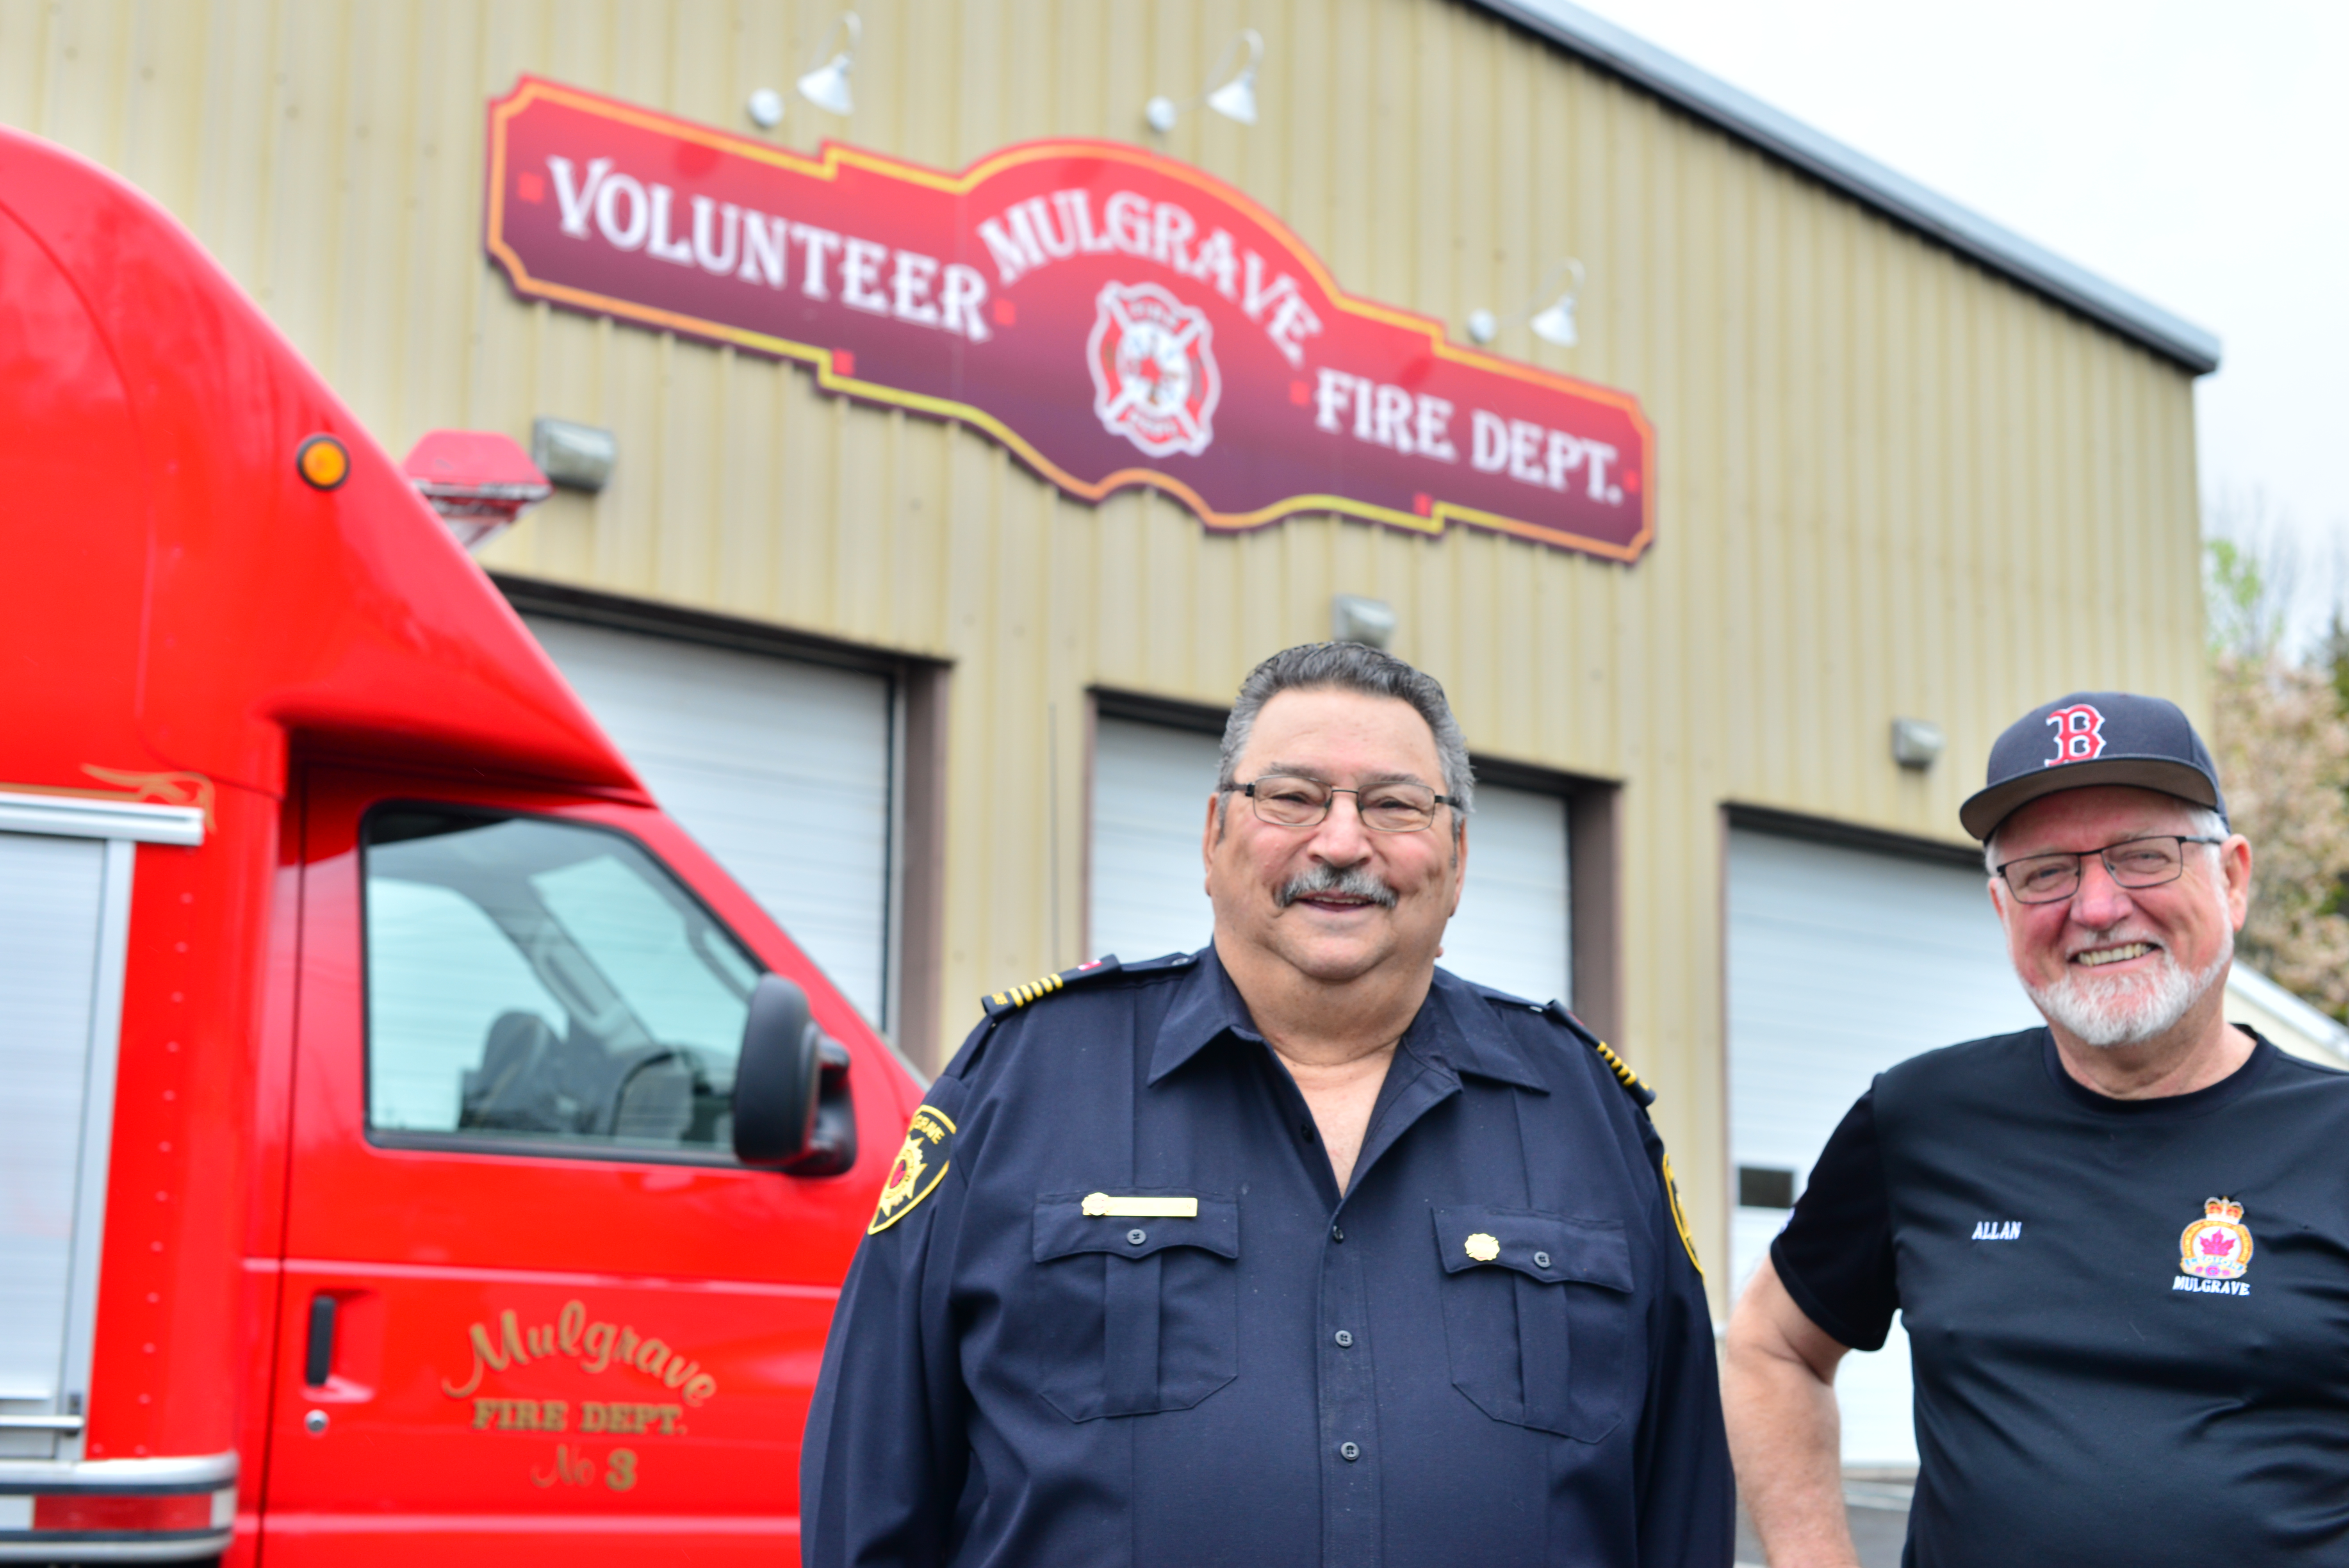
point(1968, 233)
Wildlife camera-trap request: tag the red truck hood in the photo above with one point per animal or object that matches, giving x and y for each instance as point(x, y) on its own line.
point(174, 598)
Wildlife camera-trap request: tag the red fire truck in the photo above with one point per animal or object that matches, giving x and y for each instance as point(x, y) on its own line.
point(412, 1147)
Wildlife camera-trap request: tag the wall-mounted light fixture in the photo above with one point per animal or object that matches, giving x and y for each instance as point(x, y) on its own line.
point(827, 86)
point(1554, 324)
point(1354, 619)
point(1917, 744)
point(576, 457)
point(1235, 100)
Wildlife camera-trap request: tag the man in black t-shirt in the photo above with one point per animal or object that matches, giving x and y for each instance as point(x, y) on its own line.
point(2119, 1243)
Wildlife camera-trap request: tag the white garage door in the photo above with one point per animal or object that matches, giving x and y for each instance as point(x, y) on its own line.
point(780, 770)
point(1146, 891)
point(1511, 930)
point(1841, 963)
point(1151, 784)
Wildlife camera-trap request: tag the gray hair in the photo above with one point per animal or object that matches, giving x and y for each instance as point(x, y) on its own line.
point(1355, 667)
point(2200, 821)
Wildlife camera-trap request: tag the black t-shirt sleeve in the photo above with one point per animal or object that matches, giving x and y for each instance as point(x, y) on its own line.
point(1834, 1257)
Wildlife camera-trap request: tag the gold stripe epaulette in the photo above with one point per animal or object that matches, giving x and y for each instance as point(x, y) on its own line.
point(1622, 1071)
point(1615, 1064)
point(1020, 995)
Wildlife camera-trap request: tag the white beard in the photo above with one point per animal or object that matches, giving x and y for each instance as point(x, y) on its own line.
point(2127, 1010)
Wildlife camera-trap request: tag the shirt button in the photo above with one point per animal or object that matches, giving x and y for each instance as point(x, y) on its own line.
point(1137, 1235)
point(1350, 1453)
point(1345, 1339)
point(1541, 1260)
point(1336, 1234)
point(1305, 1132)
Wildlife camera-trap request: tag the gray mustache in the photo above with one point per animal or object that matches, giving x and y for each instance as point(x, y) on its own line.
point(1353, 882)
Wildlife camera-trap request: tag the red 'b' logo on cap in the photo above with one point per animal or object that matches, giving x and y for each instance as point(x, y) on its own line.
point(2079, 734)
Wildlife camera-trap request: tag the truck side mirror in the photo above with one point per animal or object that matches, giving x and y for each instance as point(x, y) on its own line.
point(791, 1105)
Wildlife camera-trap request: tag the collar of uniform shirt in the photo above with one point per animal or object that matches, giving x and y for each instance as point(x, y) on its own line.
point(1208, 1003)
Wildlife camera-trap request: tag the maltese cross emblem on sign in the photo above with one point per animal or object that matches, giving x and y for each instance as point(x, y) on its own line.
point(1154, 377)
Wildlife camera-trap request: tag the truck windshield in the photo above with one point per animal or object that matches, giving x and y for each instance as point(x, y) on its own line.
point(544, 981)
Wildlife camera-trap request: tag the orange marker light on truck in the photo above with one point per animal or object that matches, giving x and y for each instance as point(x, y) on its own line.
point(324, 462)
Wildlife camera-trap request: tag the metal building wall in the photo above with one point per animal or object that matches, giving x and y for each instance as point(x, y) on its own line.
point(1889, 483)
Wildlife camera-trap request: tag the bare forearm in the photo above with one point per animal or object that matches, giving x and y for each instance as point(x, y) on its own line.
point(1785, 1436)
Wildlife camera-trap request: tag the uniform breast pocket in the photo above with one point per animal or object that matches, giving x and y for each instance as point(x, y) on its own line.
point(1139, 1314)
point(1539, 1316)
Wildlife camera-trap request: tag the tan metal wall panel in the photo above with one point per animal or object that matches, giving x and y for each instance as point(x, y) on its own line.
point(1889, 482)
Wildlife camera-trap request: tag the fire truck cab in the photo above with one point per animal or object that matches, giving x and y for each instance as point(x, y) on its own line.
point(412, 1146)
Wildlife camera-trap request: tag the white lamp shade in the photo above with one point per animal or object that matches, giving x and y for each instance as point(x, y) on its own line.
point(1235, 99)
point(827, 86)
point(1556, 325)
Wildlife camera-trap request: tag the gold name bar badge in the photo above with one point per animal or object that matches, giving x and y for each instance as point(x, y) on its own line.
point(1102, 1205)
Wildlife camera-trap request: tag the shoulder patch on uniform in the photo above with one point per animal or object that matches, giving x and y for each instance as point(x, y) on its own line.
point(1679, 1216)
point(921, 1164)
point(1615, 1064)
point(1001, 1002)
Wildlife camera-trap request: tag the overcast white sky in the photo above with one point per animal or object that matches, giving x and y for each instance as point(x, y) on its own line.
point(2195, 154)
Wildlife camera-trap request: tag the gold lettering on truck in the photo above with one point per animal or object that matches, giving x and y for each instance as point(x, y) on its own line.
point(535, 1415)
point(622, 1416)
point(619, 1472)
point(595, 1347)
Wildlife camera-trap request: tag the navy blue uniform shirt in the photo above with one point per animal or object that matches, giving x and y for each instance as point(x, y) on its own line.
point(1114, 1310)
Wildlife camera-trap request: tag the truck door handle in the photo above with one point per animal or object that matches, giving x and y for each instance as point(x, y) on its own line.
point(318, 1361)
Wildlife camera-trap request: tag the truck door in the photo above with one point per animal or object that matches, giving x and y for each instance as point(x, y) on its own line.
point(533, 1310)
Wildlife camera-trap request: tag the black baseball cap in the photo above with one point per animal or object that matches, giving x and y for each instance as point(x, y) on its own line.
point(2094, 737)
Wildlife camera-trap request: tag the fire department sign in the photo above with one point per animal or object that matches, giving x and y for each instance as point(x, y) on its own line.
point(1112, 316)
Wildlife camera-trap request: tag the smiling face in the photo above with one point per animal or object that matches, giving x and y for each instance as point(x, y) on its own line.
point(1336, 900)
point(2113, 965)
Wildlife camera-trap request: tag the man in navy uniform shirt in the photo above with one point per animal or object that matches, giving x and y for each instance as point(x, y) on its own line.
point(1297, 1250)
point(2119, 1243)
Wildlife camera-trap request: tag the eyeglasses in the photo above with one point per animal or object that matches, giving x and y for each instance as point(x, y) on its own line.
point(1287, 801)
point(2133, 862)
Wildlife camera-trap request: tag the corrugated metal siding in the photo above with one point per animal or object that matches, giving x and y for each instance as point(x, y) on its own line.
point(1889, 482)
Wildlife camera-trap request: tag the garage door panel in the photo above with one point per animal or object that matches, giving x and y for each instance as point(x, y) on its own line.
point(1512, 931)
point(780, 769)
point(1147, 888)
point(1843, 962)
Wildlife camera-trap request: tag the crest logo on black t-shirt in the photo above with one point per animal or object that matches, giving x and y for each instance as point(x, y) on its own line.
point(2218, 1244)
